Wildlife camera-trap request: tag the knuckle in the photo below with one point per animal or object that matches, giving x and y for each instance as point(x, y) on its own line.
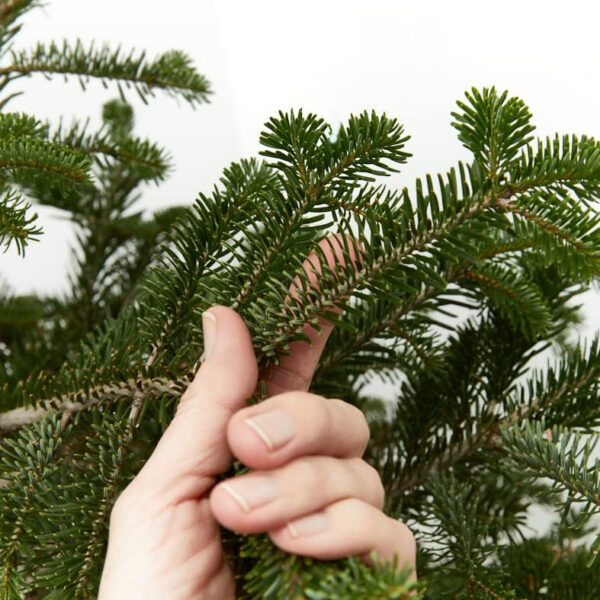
point(361, 423)
point(311, 471)
point(370, 476)
point(286, 378)
point(121, 506)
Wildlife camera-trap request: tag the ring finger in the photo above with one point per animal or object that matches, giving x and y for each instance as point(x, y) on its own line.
point(348, 527)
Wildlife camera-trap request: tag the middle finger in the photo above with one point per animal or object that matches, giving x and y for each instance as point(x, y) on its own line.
point(261, 501)
point(295, 424)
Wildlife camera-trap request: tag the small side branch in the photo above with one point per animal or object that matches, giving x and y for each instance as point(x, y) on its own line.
point(71, 403)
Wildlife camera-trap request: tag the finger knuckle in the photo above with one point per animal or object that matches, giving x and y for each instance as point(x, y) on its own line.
point(370, 475)
point(121, 506)
point(311, 471)
point(360, 421)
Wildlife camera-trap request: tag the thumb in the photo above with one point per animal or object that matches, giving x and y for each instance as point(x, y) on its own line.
point(194, 449)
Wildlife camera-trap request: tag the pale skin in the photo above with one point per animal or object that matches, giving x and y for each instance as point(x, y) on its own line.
point(164, 540)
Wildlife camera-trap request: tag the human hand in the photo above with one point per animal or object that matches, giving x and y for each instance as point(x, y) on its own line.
point(164, 539)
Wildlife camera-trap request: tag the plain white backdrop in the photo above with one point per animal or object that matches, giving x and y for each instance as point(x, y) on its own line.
point(412, 60)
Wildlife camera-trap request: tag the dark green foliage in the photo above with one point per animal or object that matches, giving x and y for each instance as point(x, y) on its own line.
point(56, 169)
point(474, 437)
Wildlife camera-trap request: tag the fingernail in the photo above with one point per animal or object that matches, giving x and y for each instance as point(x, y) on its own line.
point(209, 328)
point(275, 428)
point(253, 491)
point(309, 525)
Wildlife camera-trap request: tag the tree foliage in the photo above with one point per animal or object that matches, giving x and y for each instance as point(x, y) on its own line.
point(34, 159)
point(475, 436)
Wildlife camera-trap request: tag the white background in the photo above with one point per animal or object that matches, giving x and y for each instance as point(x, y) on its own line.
point(409, 59)
point(412, 60)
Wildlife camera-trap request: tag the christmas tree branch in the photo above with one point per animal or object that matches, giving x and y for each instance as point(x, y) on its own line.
point(490, 434)
point(23, 476)
point(83, 399)
point(171, 72)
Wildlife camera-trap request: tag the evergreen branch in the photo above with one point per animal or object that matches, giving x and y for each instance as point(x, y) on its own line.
point(149, 159)
point(276, 575)
point(16, 223)
point(17, 125)
point(24, 472)
point(558, 453)
point(457, 527)
point(11, 10)
point(519, 299)
point(170, 72)
point(19, 311)
point(493, 127)
point(362, 149)
point(565, 395)
point(284, 232)
point(121, 435)
point(294, 141)
point(575, 374)
point(563, 456)
point(20, 157)
point(102, 465)
point(545, 566)
point(83, 399)
point(563, 164)
point(568, 236)
point(370, 270)
point(196, 242)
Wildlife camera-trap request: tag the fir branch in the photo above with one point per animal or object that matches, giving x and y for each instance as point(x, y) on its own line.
point(102, 465)
point(170, 72)
point(532, 398)
point(276, 575)
point(16, 222)
point(111, 466)
point(561, 165)
point(519, 299)
point(84, 398)
point(362, 149)
point(11, 10)
point(18, 125)
point(493, 127)
point(562, 455)
point(196, 242)
point(567, 235)
point(22, 156)
point(23, 472)
point(150, 160)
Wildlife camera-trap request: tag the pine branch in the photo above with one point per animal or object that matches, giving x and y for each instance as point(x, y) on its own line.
point(20, 158)
point(24, 472)
point(170, 72)
point(102, 466)
point(563, 165)
point(493, 127)
point(16, 222)
point(563, 456)
point(85, 398)
point(149, 160)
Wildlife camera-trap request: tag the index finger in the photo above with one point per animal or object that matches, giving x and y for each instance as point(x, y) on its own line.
point(295, 371)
